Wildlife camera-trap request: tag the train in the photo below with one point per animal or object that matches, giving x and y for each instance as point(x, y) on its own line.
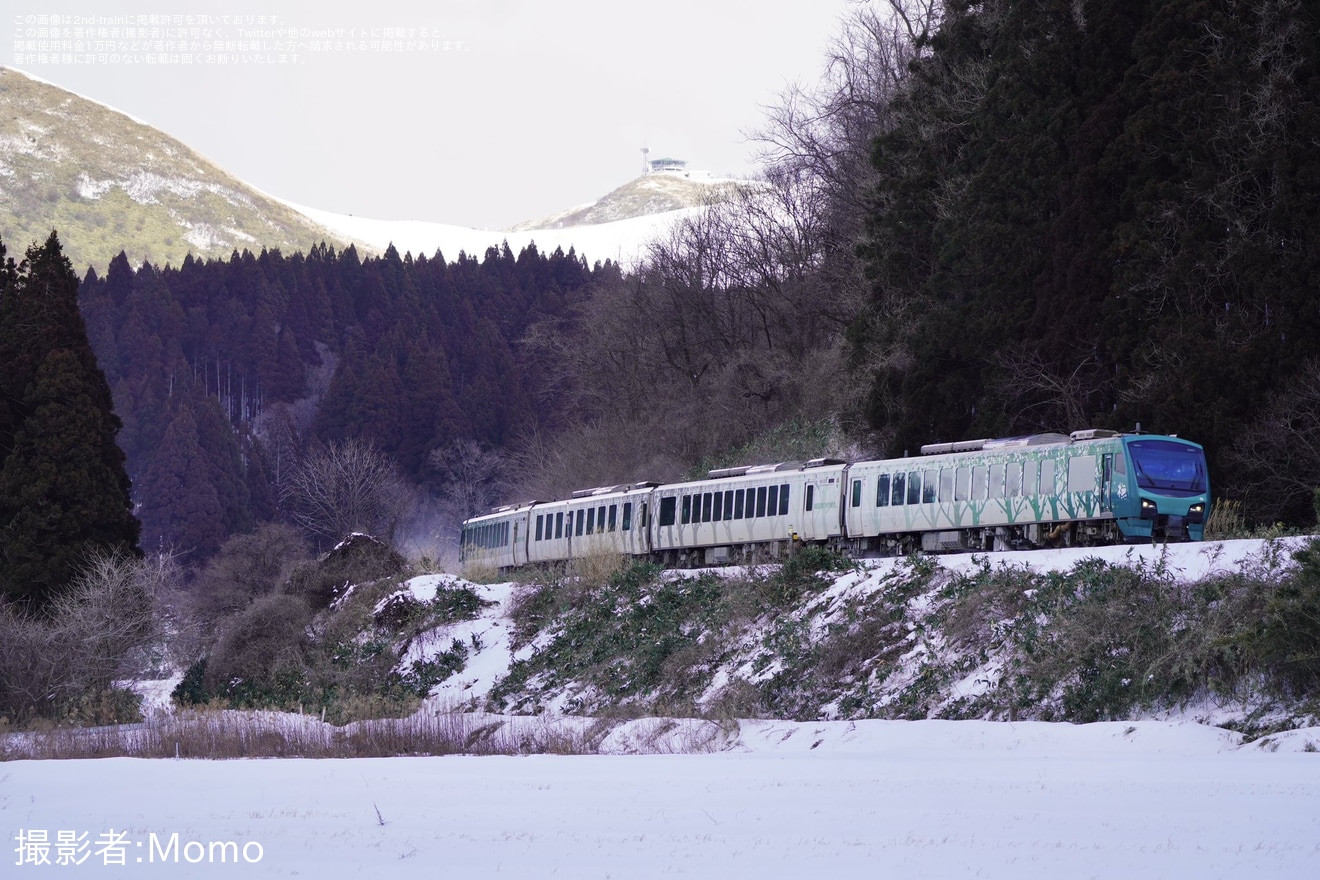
point(1085, 488)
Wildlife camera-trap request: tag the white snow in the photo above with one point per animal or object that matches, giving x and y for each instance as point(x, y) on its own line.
point(623, 241)
point(865, 799)
point(751, 798)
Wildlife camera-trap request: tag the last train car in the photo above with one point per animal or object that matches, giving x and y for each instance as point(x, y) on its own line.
point(497, 540)
point(1089, 487)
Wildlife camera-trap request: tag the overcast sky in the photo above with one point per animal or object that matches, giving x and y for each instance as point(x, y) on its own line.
point(495, 112)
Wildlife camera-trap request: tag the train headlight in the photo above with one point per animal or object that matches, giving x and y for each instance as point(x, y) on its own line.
point(1196, 513)
point(1148, 509)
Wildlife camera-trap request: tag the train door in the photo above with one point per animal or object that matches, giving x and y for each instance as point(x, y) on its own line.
point(1106, 480)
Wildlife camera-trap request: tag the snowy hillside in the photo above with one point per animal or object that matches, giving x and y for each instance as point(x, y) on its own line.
point(621, 241)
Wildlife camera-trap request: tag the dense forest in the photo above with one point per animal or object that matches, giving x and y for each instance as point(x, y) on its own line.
point(227, 374)
point(1105, 213)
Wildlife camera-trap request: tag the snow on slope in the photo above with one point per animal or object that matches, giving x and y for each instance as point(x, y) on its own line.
point(488, 634)
point(623, 241)
point(864, 800)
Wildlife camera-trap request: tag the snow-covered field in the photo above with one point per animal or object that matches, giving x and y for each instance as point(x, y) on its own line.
point(1153, 798)
point(838, 799)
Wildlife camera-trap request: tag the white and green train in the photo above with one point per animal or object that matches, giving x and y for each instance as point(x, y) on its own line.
point(1090, 487)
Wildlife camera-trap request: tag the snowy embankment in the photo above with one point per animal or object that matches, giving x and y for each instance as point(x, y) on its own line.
point(915, 667)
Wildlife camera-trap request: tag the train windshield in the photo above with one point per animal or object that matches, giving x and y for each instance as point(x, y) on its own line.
point(1168, 467)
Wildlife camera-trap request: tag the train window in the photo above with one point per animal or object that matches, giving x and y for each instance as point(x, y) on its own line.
point(627, 516)
point(591, 520)
point(811, 495)
point(1013, 479)
point(728, 504)
point(538, 527)
point(783, 499)
point(717, 515)
point(614, 514)
point(913, 487)
point(1030, 470)
point(882, 491)
point(705, 507)
point(929, 483)
point(962, 484)
point(667, 506)
point(946, 484)
point(581, 521)
point(1081, 473)
point(979, 475)
point(1047, 477)
point(738, 504)
point(645, 513)
point(600, 518)
point(559, 525)
point(760, 500)
point(857, 493)
point(772, 501)
point(896, 496)
point(1120, 465)
point(687, 509)
point(996, 481)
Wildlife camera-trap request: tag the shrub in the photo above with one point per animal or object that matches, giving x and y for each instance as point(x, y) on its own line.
point(1286, 639)
point(259, 646)
point(64, 664)
point(357, 559)
point(248, 566)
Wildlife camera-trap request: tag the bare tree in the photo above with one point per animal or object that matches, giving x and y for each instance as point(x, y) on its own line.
point(1047, 397)
point(471, 475)
point(346, 487)
point(734, 323)
point(96, 633)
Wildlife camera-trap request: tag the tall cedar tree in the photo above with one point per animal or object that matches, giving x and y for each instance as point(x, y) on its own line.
point(1097, 214)
point(64, 492)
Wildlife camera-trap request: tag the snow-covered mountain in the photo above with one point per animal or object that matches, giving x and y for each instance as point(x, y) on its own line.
point(108, 182)
point(622, 241)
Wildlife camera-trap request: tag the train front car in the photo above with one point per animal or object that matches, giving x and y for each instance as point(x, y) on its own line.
point(1165, 492)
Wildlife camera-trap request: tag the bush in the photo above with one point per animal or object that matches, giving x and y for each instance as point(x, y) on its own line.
point(246, 567)
point(357, 559)
point(1286, 639)
point(64, 664)
point(260, 651)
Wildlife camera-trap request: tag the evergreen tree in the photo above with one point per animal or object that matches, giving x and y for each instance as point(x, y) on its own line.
point(64, 491)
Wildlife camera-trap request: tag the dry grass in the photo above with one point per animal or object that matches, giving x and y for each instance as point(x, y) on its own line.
point(596, 569)
point(481, 573)
point(1226, 521)
point(219, 735)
